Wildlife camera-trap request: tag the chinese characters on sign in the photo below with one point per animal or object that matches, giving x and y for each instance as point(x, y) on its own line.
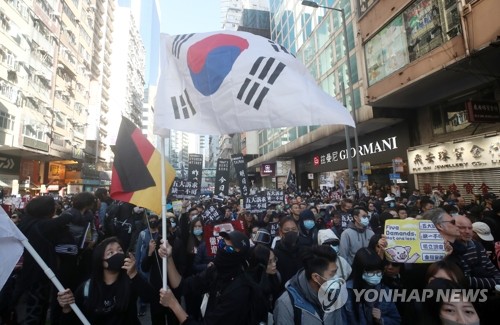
point(222, 177)
point(255, 203)
point(182, 189)
point(449, 156)
point(195, 167)
point(363, 150)
point(241, 173)
point(211, 215)
point(413, 241)
point(275, 196)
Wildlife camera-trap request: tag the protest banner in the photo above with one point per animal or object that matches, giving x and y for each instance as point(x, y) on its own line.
point(274, 229)
point(211, 215)
point(255, 203)
point(240, 167)
point(275, 196)
point(222, 177)
point(211, 234)
point(413, 241)
point(183, 189)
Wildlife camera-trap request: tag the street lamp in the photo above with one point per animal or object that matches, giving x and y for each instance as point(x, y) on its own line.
point(349, 71)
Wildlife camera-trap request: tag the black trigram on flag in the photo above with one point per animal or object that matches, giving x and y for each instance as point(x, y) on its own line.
point(181, 104)
point(178, 42)
point(263, 74)
point(279, 48)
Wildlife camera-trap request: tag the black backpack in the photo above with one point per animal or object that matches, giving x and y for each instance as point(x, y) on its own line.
point(112, 222)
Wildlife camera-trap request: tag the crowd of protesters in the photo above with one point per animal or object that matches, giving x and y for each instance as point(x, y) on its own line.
point(109, 256)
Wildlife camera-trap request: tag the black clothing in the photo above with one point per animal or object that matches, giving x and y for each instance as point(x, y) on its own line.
point(106, 313)
point(288, 261)
point(224, 306)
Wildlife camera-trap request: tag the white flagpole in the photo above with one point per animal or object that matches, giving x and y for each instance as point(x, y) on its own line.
point(52, 277)
point(163, 208)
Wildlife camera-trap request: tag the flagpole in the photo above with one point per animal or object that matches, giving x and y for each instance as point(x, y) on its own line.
point(52, 277)
point(163, 208)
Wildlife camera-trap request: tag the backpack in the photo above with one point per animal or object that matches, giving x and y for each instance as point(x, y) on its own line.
point(297, 312)
point(111, 220)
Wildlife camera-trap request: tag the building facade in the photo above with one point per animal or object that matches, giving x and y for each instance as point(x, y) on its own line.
point(48, 72)
point(424, 68)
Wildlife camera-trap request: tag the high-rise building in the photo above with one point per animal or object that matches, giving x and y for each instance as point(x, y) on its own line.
point(127, 72)
point(46, 57)
point(97, 128)
point(146, 15)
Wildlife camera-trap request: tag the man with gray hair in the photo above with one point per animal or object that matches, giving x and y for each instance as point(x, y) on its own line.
point(477, 267)
point(468, 257)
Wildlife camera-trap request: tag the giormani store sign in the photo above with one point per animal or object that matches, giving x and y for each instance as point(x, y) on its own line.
point(474, 153)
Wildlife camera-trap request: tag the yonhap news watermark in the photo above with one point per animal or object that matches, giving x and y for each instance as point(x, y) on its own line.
point(333, 295)
point(415, 295)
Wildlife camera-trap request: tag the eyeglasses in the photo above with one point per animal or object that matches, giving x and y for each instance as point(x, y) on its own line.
point(452, 221)
point(374, 273)
point(222, 245)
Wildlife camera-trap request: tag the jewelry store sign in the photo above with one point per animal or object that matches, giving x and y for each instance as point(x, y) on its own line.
point(475, 153)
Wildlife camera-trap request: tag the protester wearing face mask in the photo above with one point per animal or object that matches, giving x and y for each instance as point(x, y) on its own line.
point(142, 251)
point(110, 295)
point(308, 230)
point(300, 303)
point(229, 295)
point(356, 236)
point(287, 249)
point(328, 238)
point(367, 271)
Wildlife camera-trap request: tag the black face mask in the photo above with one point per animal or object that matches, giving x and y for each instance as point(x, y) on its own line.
point(228, 264)
point(116, 262)
point(290, 239)
point(154, 223)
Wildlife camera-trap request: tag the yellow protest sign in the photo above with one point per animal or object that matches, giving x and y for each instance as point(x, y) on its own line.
point(413, 241)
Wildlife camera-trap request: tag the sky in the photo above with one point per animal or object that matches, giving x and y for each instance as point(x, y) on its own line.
point(189, 16)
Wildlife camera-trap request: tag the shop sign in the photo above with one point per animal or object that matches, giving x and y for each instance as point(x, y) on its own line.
point(366, 168)
point(282, 167)
point(394, 176)
point(367, 149)
point(482, 112)
point(475, 153)
point(267, 169)
point(397, 165)
point(9, 164)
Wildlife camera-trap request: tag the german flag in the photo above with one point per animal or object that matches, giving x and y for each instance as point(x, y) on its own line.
point(136, 176)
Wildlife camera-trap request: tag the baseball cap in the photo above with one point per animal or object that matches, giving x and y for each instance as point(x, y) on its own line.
point(482, 230)
point(238, 239)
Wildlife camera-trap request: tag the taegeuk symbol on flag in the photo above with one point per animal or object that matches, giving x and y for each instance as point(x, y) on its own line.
point(228, 82)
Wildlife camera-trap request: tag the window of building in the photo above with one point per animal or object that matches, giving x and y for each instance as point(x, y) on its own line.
point(7, 121)
point(34, 129)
